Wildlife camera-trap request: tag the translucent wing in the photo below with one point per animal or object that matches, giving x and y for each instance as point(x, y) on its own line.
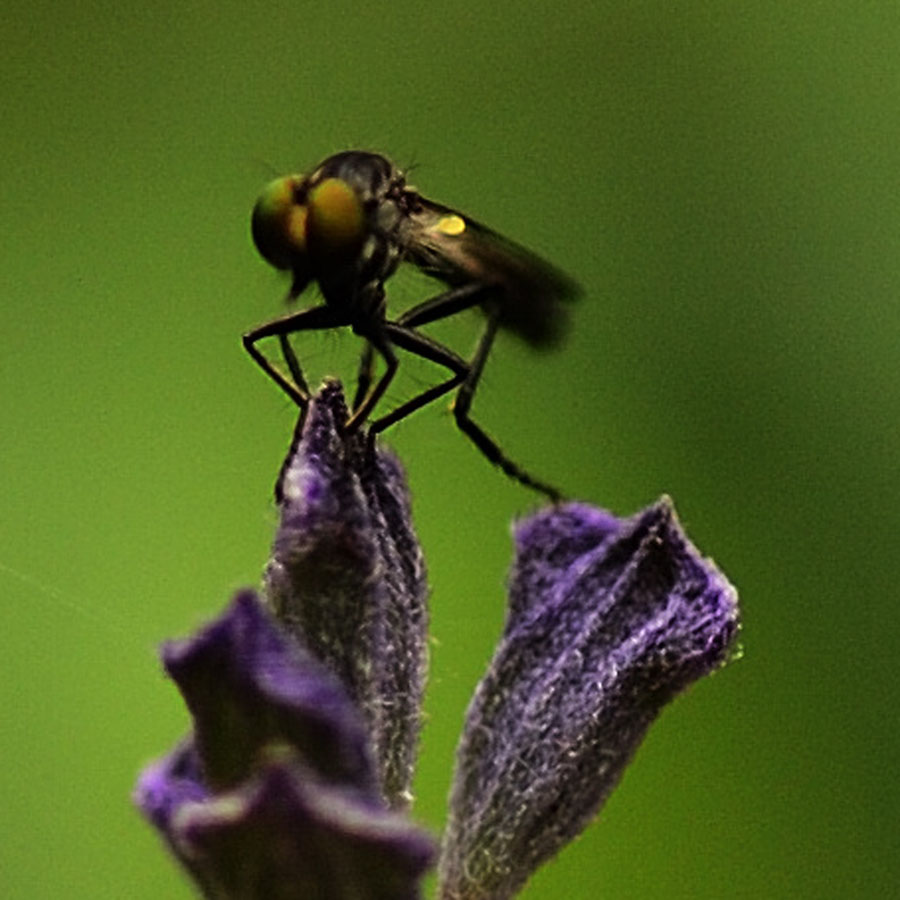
point(532, 294)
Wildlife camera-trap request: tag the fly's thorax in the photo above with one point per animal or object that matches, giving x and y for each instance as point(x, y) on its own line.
point(367, 193)
point(370, 175)
point(356, 286)
point(353, 231)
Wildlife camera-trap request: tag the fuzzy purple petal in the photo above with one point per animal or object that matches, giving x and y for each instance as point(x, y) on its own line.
point(169, 783)
point(347, 579)
point(248, 686)
point(608, 620)
point(276, 795)
point(284, 835)
point(167, 786)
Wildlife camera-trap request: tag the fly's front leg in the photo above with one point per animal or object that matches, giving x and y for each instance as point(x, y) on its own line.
point(364, 375)
point(293, 364)
point(315, 318)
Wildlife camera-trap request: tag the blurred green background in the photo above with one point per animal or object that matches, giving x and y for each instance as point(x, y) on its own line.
point(723, 180)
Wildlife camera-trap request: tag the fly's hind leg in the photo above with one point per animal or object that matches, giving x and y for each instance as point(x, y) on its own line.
point(486, 444)
point(466, 376)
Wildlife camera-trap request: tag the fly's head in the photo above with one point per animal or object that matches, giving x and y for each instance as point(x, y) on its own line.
point(338, 225)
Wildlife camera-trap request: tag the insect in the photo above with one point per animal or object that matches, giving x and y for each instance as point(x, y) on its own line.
point(347, 226)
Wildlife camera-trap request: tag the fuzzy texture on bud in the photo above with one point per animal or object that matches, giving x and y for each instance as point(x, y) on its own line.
point(307, 703)
point(347, 579)
point(608, 620)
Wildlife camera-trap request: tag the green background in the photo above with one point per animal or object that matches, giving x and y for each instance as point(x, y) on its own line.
point(723, 180)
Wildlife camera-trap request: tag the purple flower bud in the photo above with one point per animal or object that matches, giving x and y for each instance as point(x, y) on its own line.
point(347, 579)
point(305, 729)
point(277, 795)
point(608, 620)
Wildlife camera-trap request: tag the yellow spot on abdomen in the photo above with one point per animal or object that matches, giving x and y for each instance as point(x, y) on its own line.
point(451, 225)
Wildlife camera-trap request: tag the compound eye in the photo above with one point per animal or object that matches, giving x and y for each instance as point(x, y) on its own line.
point(336, 224)
point(279, 225)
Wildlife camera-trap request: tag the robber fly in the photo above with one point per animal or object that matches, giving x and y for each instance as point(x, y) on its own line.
point(348, 226)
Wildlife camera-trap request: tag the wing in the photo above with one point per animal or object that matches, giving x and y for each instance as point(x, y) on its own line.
point(452, 247)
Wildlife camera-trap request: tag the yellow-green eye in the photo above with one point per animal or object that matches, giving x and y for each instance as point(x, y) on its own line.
point(279, 225)
point(336, 222)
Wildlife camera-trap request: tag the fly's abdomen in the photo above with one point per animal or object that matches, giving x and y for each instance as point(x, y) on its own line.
point(531, 295)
